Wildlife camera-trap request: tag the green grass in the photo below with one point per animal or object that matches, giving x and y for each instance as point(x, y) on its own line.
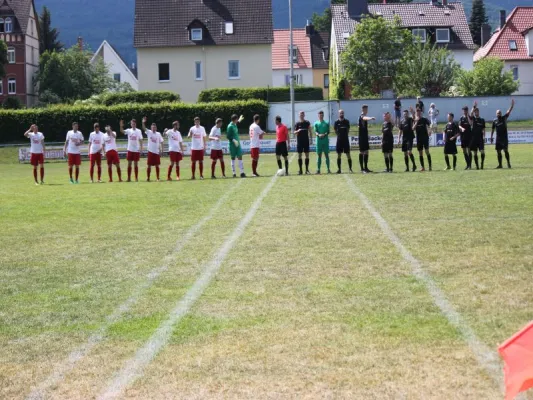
point(313, 301)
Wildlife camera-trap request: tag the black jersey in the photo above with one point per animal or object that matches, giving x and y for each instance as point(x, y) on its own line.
point(421, 127)
point(420, 105)
point(464, 122)
point(478, 126)
point(397, 105)
point(342, 128)
point(450, 131)
point(386, 130)
point(363, 126)
point(406, 126)
point(500, 125)
point(303, 136)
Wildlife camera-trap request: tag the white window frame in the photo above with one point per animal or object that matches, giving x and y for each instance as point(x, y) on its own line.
point(447, 30)
point(196, 70)
point(115, 77)
point(11, 57)
point(11, 81)
point(423, 37)
point(238, 69)
point(326, 78)
point(515, 48)
point(158, 73)
point(8, 22)
point(197, 31)
point(228, 27)
point(294, 58)
point(514, 68)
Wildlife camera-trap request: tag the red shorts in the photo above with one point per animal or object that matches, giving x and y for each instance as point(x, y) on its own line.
point(197, 155)
point(175, 156)
point(36, 159)
point(133, 156)
point(153, 159)
point(217, 154)
point(74, 159)
point(255, 153)
point(112, 157)
point(96, 157)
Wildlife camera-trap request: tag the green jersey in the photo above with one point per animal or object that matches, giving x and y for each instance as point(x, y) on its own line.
point(322, 144)
point(232, 134)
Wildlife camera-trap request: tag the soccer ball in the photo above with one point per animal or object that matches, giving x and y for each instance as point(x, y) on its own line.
point(281, 172)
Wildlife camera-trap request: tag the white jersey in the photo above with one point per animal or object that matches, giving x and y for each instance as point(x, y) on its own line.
point(96, 139)
point(216, 133)
point(255, 132)
point(154, 141)
point(75, 140)
point(433, 114)
point(174, 140)
point(134, 139)
point(110, 142)
point(197, 134)
point(36, 140)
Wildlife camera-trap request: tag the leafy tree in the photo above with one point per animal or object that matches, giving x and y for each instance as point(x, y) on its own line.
point(373, 52)
point(487, 79)
point(48, 40)
point(12, 103)
point(3, 59)
point(426, 69)
point(477, 19)
point(322, 22)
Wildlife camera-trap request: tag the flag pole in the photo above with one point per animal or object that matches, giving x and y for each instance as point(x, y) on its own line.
point(291, 59)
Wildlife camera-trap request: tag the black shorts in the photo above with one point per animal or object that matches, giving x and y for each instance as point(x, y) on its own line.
point(343, 146)
point(387, 147)
point(477, 144)
point(450, 147)
point(502, 144)
point(364, 144)
point(407, 144)
point(465, 141)
point(422, 143)
point(302, 146)
point(281, 149)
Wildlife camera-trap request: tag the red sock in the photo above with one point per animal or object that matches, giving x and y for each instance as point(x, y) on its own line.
point(193, 168)
point(157, 171)
point(201, 169)
point(110, 172)
point(119, 172)
point(169, 175)
point(92, 171)
point(77, 172)
point(148, 172)
point(35, 174)
point(136, 173)
point(223, 166)
point(70, 172)
point(254, 166)
point(42, 174)
point(178, 170)
point(213, 165)
point(99, 172)
point(129, 172)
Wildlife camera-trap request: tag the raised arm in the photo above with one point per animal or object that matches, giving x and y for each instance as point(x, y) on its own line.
point(510, 110)
point(27, 133)
point(144, 124)
point(121, 126)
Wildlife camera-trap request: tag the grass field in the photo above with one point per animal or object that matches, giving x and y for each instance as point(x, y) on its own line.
point(292, 287)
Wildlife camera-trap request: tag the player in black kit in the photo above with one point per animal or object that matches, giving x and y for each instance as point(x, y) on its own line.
point(387, 141)
point(451, 133)
point(465, 125)
point(303, 133)
point(502, 137)
point(478, 136)
point(342, 129)
point(420, 126)
point(364, 143)
point(406, 137)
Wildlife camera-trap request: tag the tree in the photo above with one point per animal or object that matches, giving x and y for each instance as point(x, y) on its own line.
point(477, 19)
point(48, 40)
point(487, 79)
point(3, 58)
point(322, 22)
point(373, 53)
point(426, 69)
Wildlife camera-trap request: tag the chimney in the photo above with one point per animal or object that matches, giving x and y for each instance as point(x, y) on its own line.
point(502, 18)
point(357, 8)
point(309, 29)
point(485, 34)
point(80, 43)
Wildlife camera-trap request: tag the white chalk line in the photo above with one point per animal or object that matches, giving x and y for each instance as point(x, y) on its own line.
point(134, 367)
point(487, 358)
point(61, 370)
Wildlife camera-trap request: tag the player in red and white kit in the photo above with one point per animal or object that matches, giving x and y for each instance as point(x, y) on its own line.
point(216, 148)
point(175, 149)
point(155, 148)
point(36, 150)
point(197, 133)
point(135, 147)
point(256, 134)
point(96, 151)
point(72, 150)
point(111, 154)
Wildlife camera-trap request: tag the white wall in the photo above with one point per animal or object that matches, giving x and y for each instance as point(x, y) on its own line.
point(116, 66)
point(306, 76)
point(32, 59)
point(465, 58)
point(525, 75)
point(311, 110)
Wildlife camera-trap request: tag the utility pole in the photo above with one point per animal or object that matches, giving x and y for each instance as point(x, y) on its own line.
point(292, 67)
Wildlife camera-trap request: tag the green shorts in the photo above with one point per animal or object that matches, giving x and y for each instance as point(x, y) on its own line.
point(322, 146)
point(235, 152)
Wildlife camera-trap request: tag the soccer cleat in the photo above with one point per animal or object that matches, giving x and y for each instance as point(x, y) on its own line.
point(256, 175)
point(351, 171)
point(243, 175)
point(318, 172)
point(92, 181)
point(329, 171)
point(42, 182)
point(100, 181)
point(213, 177)
point(169, 179)
point(308, 172)
point(77, 182)
point(368, 171)
point(193, 178)
point(406, 170)
point(339, 172)
point(509, 166)
point(431, 169)
point(467, 168)
point(447, 169)
point(178, 178)
point(499, 167)
point(234, 175)
point(414, 168)
point(391, 171)
point(71, 181)
point(300, 173)
point(422, 169)
point(386, 170)
point(201, 178)
point(128, 180)
point(36, 183)
point(159, 180)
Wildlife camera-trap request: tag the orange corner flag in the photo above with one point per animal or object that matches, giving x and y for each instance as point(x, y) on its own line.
point(517, 352)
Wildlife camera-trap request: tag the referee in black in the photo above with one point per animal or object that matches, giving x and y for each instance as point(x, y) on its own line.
point(303, 132)
point(342, 129)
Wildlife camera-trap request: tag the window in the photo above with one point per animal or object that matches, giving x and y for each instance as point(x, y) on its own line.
point(164, 72)
point(443, 35)
point(2, 25)
point(512, 45)
point(198, 73)
point(346, 35)
point(326, 81)
point(420, 34)
point(229, 27)
point(116, 77)
point(294, 58)
point(514, 68)
point(8, 25)
point(1, 87)
point(234, 69)
point(11, 86)
point(298, 79)
point(11, 55)
point(196, 34)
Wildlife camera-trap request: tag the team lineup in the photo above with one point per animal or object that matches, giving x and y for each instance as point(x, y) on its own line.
point(410, 123)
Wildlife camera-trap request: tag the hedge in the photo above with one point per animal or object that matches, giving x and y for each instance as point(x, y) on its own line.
point(268, 94)
point(112, 99)
point(55, 121)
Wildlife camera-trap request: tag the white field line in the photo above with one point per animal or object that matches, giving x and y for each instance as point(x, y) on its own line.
point(134, 367)
point(62, 369)
point(487, 358)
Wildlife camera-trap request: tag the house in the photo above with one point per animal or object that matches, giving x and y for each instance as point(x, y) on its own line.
point(118, 69)
point(442, 22)
point(513, 43)
point(19, 29)
point(186, 46)
point(309, 63)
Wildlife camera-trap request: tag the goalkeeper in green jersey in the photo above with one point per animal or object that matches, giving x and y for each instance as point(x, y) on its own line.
point(235, 148)
point(321, 128)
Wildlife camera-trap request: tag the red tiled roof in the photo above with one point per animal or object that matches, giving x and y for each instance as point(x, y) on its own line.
point(518, 23)
point(280, 49)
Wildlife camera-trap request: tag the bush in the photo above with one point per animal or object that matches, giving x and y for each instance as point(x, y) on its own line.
point(268, 94)
point(12, 103)
point(111, 99)
point(55, 121)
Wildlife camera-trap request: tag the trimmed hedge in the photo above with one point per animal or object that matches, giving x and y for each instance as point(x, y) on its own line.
point(55, 121)
point(112, 99)
point(268, 94)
